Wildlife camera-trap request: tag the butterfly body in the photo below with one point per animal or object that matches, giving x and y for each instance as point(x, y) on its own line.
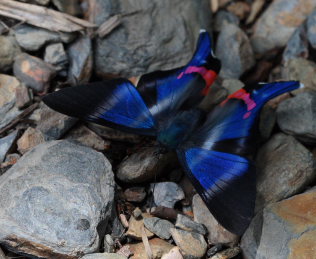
point(215, 150)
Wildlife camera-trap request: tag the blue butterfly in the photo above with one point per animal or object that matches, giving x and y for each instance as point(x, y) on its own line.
point(214, 149)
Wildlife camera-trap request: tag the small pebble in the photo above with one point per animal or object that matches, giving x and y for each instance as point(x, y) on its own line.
point(167, 194)
point(135, 194)
point(158, 226)
point(187, 224)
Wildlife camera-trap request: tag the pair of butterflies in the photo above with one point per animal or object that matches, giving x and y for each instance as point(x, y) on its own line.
point(214, 149)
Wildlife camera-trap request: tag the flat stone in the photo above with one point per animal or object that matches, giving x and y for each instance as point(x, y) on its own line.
point(104, 256)
point(6, 144)
point(32, 38)
point(30, 138)
point(143, 166)
point(168, 34)
point(158, 247)
point(222, 18)
point(174, 253)
point(166, 194)
point(286, 16)
point(297, 116)
point(33, 72)
point(185, 223)
point(87, 137)
point(9, 116)
point(135, 194)
point(227, 254)
point(80, 60)
point(284, 168)
point(136, 226)
point(216, 233)
point(55, 55)
point(159, 227)
point(53, 124)
point(9, 50)
point(53, 200)
point(190, 243)
point(240, 58)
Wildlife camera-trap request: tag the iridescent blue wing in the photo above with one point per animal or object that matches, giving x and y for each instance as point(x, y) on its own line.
point(115, 103)
point(217, 155)
point(166, 92)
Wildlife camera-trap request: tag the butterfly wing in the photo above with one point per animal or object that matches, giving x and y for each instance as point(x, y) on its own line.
point(165, 92)
point(115, 103)
point(216, 157)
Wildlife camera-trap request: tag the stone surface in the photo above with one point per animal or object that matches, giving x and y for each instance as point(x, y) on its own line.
point(53, 199)
point(216, 95)
point(71, 7)
point(286, 16)
point(186, 223)
point(8, 87)
point(24, 97)
point(53, 124)
point(9, 50)
point(6, 144)
point(104, 256)
point(33, 72)
point(87, 137)
point(135, 194)
point(240, 9)
point(190, 243)
point(222, 18)
point(240, 56)
point(30, 138)
point(289, 229)
point(80, 60)
point(227, 254)
point(232, 85)
point(55, 55)
point(167, 194)
point(158, 226)
point(158, 246)
point(216, 233)
point(301, 70)
point(284, 167)
point(311, 28)
point(142, 166)
point(108, 244)
point(136, 227)
point(174, 253)
point(32, 38)
point(297, 116)
point(166, 40)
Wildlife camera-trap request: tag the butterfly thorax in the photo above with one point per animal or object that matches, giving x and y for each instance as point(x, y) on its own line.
point(176, 128)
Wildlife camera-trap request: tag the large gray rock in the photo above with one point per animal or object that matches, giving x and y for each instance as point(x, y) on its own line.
point(158, 34)
point(8, 51)
point(235, 52)
point(276, 25)
point(284, 168)
point(53, 199)
point(297, 116)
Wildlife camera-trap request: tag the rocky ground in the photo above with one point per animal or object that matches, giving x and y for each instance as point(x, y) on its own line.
point(71, 189)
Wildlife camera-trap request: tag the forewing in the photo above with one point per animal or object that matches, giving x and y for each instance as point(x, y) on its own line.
point(115, 103)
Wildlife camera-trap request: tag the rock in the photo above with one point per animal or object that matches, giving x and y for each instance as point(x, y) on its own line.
point(159, 247)
point(284, 168)
point(214, 249)
point(174, 253)
point(222, 18)
point(33, 72)
point(8, 87)
point(296, 116)
point(190, 243)
point(104, 256)
point(158, 226)
point(311, 27)
point(80, 60)
point(185, 223)
point(216, 233)
point(6, 144)
point(240, 58)
point(136, 226)
point(288, 229)
point(53, 199)
point(30, 138)
point(71, 6)
point(24, 97)
point(108, 244)
point(286, 16)
point(167, 194)
point(137, 213)
point(9, 50)
point(240, 9)
point(55, 55)
point(167, 37)
point(32, 38)
point(9, 116)
point(87, 137)
point(227, 254)
point(301, 70)
point(135, 194)
point(142, 166)
point(215, 96)
point(53, 124)
point(232, 85)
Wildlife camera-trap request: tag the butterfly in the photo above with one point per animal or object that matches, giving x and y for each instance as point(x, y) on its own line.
point(215, 149)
